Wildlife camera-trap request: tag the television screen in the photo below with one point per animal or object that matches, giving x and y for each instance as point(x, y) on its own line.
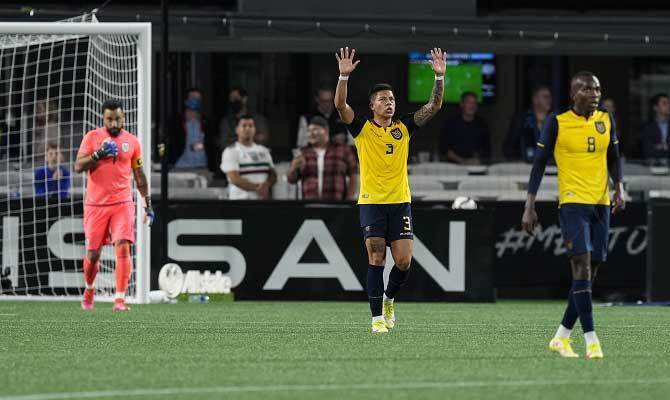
point(466, 72)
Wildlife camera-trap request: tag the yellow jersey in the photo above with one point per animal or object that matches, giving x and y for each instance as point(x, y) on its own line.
point(580, 147)
point(382, 154)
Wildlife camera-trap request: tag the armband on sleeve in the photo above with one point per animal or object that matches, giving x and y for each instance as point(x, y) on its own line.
point(137, 163)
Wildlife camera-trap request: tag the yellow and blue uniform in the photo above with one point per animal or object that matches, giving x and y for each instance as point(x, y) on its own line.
point(385, 196)
point(586, 151)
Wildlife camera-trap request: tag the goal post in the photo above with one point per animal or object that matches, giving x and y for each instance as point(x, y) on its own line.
point(65, 70)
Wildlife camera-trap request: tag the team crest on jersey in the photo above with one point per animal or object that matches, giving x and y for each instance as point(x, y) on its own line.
point(125, 147)
point(600, 127)
point(396, 133)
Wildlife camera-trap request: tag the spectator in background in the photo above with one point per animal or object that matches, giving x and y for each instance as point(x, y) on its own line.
point(238, 101)
point(52, 179)
point(325, 108)
point(526, 127)
point(191, 140)
point(654, 135)
point(44, 126)
point(465, 137)
point(247, 165)
point(323, 167)
point(609, 105)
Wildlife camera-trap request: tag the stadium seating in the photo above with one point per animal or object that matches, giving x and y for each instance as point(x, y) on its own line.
point(10, 177)
point(434, 181)
point(282, 168)
point(548, 184)
point(489, 183)
point(647, 183)
point(283, 190)
point(426, 182)
point(659, 194)
point(440, 168)
point(522, 195)
point(512, 168)
point(76, 180)
point(635, 169)
point(193, 193)
point(181, 180)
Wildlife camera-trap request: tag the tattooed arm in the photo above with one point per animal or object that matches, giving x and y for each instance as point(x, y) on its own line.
point(428, 111)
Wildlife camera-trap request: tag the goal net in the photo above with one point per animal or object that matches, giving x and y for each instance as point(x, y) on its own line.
point(54, 78)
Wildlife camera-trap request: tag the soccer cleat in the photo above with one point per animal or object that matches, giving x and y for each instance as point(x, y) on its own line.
point(594, 351)
point(87, 300)
point(379, 326)
point(120, 305)
point(389, 314)
point(563, 346)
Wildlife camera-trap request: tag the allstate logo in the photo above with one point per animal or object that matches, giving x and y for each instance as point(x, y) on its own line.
point(396, 133)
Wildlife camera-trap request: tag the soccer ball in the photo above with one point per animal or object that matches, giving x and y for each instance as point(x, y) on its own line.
point(158, 297)
point(464, 203)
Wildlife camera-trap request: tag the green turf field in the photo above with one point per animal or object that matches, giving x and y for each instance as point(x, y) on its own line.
point(324, 350)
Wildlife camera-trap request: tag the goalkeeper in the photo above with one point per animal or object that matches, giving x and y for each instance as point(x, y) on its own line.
point(110, 154)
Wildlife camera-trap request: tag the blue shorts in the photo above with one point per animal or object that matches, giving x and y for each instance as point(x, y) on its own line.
point(389, 221)
point(585, 229)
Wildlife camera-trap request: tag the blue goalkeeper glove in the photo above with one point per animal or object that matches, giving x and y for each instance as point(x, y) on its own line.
point(150, 216)
point(108, 149)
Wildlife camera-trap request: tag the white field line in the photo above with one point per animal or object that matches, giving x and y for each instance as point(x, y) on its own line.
point(329, 387)
point(224, 323)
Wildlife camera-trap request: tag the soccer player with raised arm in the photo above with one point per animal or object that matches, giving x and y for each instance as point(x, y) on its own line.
point(584, 143)
point(382, 141)
point(111, 155)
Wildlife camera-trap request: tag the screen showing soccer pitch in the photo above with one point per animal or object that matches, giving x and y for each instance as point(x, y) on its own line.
point(466, 72)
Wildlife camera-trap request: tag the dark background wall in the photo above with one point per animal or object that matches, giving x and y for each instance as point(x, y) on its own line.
point(274, 49)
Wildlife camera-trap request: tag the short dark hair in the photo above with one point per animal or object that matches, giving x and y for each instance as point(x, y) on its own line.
point(466, 94)
point(193, 89)
point(111, 104)
point(538, 88)
point(245, 116)
point(378, 88)
point(657, 97)
point(52, 145)
point(324, 87)
point(318, 121)
point(582, 75)
point(239, 89)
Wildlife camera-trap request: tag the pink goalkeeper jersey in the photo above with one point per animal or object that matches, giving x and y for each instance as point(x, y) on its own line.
point(110, 181)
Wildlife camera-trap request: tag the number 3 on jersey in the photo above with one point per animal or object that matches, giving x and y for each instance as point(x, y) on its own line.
point(389, 148)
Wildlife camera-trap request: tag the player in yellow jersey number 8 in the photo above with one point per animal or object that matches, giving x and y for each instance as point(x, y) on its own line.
point(584, 143)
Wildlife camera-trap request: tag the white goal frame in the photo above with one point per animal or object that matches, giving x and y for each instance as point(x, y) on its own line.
point(144, 55)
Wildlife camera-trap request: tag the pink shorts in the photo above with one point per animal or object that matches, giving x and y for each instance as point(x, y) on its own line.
point(109, 224)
